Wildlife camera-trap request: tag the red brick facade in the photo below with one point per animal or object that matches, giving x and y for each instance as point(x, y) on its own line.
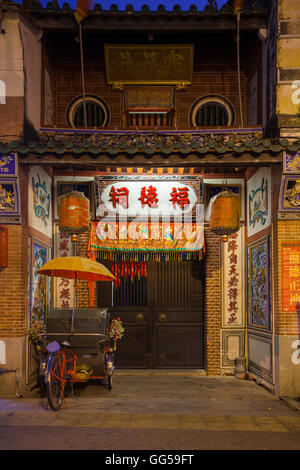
point(215, 72)
point(212, 302)
point(14, 285)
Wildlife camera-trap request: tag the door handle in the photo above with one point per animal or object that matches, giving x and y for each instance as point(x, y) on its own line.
point(139, 318)
point(162, 317)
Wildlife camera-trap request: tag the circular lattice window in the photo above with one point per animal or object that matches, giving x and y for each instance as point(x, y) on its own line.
point(212, 111)
point(97, 112)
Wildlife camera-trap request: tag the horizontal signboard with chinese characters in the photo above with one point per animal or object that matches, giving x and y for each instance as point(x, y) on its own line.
point(133, 64)
point(142, 196)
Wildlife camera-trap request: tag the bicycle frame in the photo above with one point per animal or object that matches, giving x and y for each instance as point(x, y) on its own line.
point(65, 369)
point(62, 373)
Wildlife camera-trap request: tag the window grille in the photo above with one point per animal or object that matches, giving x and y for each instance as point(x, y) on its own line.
point(97, 113)
point(212, 112)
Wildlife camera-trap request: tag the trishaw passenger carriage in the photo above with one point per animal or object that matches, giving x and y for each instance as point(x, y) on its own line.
point(76, 356)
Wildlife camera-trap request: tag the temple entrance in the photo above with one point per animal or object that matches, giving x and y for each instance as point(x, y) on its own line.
point(161, 305)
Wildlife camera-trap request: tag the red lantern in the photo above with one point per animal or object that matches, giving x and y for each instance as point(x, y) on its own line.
point(225, 214)
point(74, 213)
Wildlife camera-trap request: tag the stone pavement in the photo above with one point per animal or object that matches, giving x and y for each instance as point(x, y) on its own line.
point(163, 402)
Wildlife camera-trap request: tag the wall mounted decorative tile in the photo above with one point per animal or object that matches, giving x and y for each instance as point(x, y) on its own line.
point(258, 291)
point(291, 163)
point(290, 194)
point(10, 209)
point(259, 201)
point(39, 201)
point(8, 165)
point(38, 285)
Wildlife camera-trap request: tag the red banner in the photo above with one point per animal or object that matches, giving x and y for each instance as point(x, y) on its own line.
point(290, 262)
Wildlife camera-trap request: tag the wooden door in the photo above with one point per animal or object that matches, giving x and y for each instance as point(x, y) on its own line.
point(162, 313)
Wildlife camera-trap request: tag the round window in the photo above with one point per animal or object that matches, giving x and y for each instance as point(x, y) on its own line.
point(97, 112)
point(212, 111)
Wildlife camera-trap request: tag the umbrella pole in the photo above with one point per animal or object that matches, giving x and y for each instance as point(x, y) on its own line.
point(74, 303)
point(74, 239)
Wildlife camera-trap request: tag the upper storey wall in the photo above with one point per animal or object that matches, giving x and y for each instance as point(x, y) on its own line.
point(215, 72)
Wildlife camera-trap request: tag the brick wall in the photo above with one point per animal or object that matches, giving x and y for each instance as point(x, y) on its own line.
point(215, 72)
point(13, 301)
point(212, 302)
point(68, 84)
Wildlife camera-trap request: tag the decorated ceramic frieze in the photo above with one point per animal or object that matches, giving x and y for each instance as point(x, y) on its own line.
point(259, 201)
point(10, 208)
point(8, 165)
point(258, 291)
point(289, 202)
point(291, 163)
point(40, 201)
point(38, 286)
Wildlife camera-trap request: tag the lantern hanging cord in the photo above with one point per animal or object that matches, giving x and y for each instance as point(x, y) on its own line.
point(238, 67)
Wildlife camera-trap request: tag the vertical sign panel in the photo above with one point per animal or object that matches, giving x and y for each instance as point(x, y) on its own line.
point(63, 287)
point(232, 291)
point(290, 262)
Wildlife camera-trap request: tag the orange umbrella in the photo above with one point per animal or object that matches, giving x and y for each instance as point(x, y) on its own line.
point(75, 267)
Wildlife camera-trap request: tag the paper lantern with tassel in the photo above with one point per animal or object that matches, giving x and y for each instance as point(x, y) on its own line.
point(225, 214)
point(74, 213)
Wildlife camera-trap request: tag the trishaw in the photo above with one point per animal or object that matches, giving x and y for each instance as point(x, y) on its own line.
point(78, 356)
point(79, 340)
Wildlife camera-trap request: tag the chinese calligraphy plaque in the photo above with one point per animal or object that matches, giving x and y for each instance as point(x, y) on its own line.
point(149, 64)
point(133, 196)
point(232, 263)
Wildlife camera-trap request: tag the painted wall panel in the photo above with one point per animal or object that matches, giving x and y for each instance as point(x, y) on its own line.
point(259, 201)
point(39, 201)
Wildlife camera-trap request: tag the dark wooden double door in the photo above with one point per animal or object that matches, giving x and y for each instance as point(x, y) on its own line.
point(162, 310)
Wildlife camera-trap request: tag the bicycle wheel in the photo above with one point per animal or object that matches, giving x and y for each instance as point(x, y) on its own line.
point(55, 381)
point(108, 382)
point(109, 367)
